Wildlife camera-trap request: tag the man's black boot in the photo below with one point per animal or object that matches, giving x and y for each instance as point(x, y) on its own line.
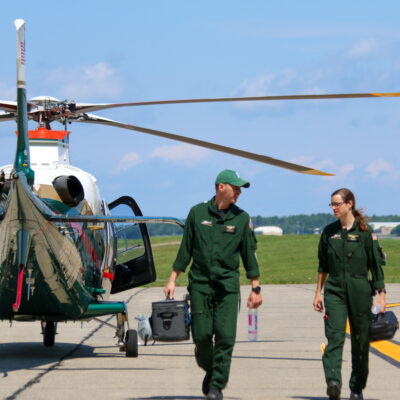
point(215, 394)
point(205, 387)
point(333, 390)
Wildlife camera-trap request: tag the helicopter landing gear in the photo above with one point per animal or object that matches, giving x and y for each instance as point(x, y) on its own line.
point(120, 333)
point(131, 343)
point(127, 342)
point(49, 329)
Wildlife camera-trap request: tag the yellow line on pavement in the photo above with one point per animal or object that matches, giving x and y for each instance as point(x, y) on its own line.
point(387, 348)
point(392, 305)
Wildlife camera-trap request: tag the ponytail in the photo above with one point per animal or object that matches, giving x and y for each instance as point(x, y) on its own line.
point(362, 223)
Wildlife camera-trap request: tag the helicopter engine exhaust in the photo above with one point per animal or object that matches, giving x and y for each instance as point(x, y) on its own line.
point(70, 189)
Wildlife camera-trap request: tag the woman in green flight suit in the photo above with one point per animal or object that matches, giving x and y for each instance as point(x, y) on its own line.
point(348, 251)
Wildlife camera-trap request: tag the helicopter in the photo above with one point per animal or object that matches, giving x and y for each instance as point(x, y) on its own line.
point(60, 247)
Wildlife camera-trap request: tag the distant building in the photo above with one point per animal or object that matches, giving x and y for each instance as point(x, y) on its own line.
point(268, 230)
point(384, 228)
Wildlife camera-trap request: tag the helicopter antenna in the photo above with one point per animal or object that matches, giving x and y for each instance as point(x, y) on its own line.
point(22, 158)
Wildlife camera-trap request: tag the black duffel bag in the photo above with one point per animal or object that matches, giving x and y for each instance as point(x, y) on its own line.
point(383, 326)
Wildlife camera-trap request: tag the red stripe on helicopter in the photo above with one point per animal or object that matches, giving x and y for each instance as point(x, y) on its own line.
point(17, 303)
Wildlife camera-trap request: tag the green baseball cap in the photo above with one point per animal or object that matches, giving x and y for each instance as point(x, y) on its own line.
point(232, 177)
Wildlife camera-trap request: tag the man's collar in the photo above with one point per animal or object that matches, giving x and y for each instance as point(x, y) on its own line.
point(214, 209)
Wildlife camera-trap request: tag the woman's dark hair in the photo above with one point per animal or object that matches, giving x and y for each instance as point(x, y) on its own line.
point(348, 195)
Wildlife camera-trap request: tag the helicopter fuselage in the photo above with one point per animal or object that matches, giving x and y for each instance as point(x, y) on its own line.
point(64, 262)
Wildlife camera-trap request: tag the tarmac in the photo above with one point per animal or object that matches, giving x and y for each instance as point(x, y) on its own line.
point(284, 363)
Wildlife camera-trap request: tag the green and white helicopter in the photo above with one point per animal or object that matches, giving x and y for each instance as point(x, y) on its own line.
point(60, 255)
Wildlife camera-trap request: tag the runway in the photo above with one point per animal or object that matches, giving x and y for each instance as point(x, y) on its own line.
point(285, 362)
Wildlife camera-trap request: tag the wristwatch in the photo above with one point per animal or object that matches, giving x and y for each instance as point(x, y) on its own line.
point(381, 290)
point(256, 289)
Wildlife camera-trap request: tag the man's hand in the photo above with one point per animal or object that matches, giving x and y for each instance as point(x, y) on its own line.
point(254, 300)
point(169, 288)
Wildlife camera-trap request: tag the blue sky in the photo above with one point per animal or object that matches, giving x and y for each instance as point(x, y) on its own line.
point(122, 51)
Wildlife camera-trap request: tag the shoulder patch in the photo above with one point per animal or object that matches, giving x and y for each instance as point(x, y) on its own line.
point(251, 224)
point(374, 237)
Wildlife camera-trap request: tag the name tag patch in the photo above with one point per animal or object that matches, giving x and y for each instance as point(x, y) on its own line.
point(229, 229)
point(336, 236)
point(206, 223)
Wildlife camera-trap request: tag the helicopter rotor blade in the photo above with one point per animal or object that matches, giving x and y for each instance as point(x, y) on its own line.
point(7, 117)
point(84, 108)
point(59, 110)
point(89, 118)
point(8, 106)
point(51, 109)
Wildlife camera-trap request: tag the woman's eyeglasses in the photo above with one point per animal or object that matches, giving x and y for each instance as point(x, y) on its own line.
point(336, 205)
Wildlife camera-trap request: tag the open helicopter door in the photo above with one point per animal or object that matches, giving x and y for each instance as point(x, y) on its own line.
point(134, 257)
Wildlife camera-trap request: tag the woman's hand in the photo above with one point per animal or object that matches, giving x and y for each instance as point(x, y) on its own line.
point(318, 303)
point(382, 302)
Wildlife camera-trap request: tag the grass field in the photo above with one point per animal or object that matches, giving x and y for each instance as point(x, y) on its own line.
point(282, 259)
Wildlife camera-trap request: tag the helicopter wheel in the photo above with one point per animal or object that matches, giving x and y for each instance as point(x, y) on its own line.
point(49, 333)
point(131, 343)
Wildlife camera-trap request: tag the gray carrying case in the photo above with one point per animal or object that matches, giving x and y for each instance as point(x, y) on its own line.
point(170, 320)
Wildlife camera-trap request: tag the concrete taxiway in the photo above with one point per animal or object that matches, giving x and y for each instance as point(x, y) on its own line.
point(285, 362)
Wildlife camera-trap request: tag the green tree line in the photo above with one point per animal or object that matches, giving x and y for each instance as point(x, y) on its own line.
point(291, 225)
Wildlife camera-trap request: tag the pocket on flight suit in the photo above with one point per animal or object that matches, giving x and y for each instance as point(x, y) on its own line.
point(357, 256)
point(360, 299)
point(201, 322)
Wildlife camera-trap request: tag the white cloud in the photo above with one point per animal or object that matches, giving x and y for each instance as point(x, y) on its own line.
point(363, 48)
point(378, 167)
point(340, 171)
point(87, 83)
point(264, 85)
point(287, 81)
point(345, 169)
point(128, 161)
point(268, 83)
point(180, 153)
point(327, 165)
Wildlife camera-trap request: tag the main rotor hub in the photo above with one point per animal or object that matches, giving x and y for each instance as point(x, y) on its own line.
point(46, 109)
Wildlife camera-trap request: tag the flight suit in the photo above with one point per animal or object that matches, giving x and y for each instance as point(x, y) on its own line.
point(349, 256)
point(214, 243)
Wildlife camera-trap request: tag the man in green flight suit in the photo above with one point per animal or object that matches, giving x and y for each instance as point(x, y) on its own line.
point(216, 233)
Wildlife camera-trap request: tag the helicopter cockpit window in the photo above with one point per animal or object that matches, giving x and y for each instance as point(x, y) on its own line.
point(134, 264)
point(130, 242)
